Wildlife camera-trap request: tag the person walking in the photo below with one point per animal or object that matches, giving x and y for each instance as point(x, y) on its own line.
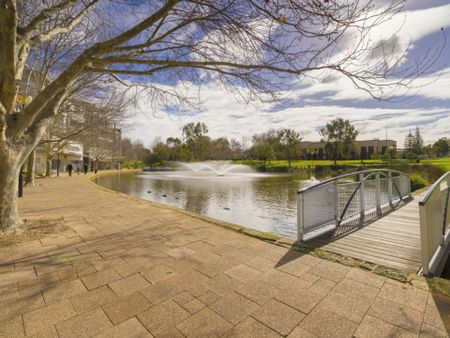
point(69, 169)
point(78, 168)
point(85, 168)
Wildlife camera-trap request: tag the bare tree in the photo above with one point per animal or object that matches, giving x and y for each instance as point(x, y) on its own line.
point(253, 48)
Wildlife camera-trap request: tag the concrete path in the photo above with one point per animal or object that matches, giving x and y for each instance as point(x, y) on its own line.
point(131, 269)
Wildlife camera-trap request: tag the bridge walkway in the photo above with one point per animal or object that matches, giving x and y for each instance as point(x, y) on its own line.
point(392, 240)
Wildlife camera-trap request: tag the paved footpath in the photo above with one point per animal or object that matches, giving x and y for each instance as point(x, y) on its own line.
point(131, 269)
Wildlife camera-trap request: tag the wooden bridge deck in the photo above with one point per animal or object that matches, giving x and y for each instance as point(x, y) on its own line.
point(392, 240)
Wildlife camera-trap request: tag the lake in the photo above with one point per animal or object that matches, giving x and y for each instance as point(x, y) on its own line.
point(265, 202)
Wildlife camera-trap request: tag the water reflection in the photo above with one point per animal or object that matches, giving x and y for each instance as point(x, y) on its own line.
point(259, 201)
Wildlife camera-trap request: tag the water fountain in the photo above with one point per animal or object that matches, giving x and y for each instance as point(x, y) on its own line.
point(220, 168)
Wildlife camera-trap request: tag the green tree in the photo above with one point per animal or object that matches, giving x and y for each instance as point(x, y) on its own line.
point(409, 143)
point(339, 135)
point(442, 147)
point(417, 146)
point(196, 140)
point(159, 154)
point(289, 142)
point(264, 151)
point(219, 149)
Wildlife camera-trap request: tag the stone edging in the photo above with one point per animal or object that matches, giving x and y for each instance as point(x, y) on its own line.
point(434, 284)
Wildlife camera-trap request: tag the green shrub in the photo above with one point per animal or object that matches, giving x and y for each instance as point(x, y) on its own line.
point(418, 182)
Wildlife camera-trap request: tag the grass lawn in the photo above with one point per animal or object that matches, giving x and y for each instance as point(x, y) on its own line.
point(439, 162)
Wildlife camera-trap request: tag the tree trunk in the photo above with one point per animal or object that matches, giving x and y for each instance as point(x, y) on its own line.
point(31, 167)
point(48, 167)
point(9, 185)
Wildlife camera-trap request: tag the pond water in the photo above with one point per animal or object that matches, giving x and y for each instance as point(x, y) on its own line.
point(266, 202)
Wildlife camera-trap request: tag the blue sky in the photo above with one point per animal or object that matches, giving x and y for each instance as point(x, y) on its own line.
point(307, 106)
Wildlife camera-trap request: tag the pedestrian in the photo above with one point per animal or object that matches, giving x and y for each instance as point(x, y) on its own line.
point(85, 168)
point(78, 168)
point(70, 168)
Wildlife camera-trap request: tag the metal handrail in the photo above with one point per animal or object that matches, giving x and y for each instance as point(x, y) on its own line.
point(433, 209)
point(347, 175)
point(427, 195)
point(340, 203)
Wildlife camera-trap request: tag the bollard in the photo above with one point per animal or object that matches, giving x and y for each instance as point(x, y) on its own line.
point(21, 182)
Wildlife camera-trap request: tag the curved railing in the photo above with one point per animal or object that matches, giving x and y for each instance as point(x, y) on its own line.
point(349, 199)
point(434, 209)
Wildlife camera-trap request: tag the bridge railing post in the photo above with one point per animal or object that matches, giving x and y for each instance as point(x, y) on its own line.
point(377, 193)
point(361, 199)
point(300, 221)
point(390, 188)
point(336, 203)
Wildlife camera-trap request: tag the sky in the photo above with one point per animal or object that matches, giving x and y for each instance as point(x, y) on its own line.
point(308, 106)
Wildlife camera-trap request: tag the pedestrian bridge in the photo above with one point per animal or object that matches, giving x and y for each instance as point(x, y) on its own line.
point(371, 215)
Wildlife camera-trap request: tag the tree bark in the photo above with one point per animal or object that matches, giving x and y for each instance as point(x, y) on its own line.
point(9, 185)
point(31, 168)
point(48, 167)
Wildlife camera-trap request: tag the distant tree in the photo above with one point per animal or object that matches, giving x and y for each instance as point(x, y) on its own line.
point(429, 151)
point(442, 147)
point(339, 135)
point(417, 146)
point(236, 149)
point(196, 140)
point(263, 151)
point(158, 154)
point(409, 143)
point(219, 149)
point(289, 142)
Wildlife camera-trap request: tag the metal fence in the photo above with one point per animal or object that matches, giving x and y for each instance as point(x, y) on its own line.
point(349, 199)
point(435, 225)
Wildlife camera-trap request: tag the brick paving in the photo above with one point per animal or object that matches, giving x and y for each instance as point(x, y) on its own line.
point(131, 269)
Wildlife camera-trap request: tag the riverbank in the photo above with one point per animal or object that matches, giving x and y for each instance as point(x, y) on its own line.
point(128, 267)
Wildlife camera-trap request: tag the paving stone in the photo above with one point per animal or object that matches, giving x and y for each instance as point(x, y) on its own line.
point(180, 252)
point(432, 332)
point(324, 323)
point(260, 264)
point(129, 285)
point(437, 312)
point(258, 291)
point(396, 314)
point(322, 286)
point(373, 327)
point(345, 306)
point(295, 267)
point(107, 263)
point(63, 291)
point(208, 297)
point(85, 325)
point(161, 291)
point(89, 300)
point(223, 285)
point(205, 323)
point(158, 273)
point(251, 328)
point(13, 307)
point(126, 307)
point(130, 328)
point(278, 279)
point(301, 300)
point(194, 306)
point(39, 321)
point(100, 278)
point(234, 307)
point(301, 333)
point(243, 273)
point(17, 276)
point(8, 291)
point(183, 298)
point(356, 290)
point(278, 316)
point(330, 270)
point(405, 294)
point(162, 318)
point(12, 327)
point(366, 277)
